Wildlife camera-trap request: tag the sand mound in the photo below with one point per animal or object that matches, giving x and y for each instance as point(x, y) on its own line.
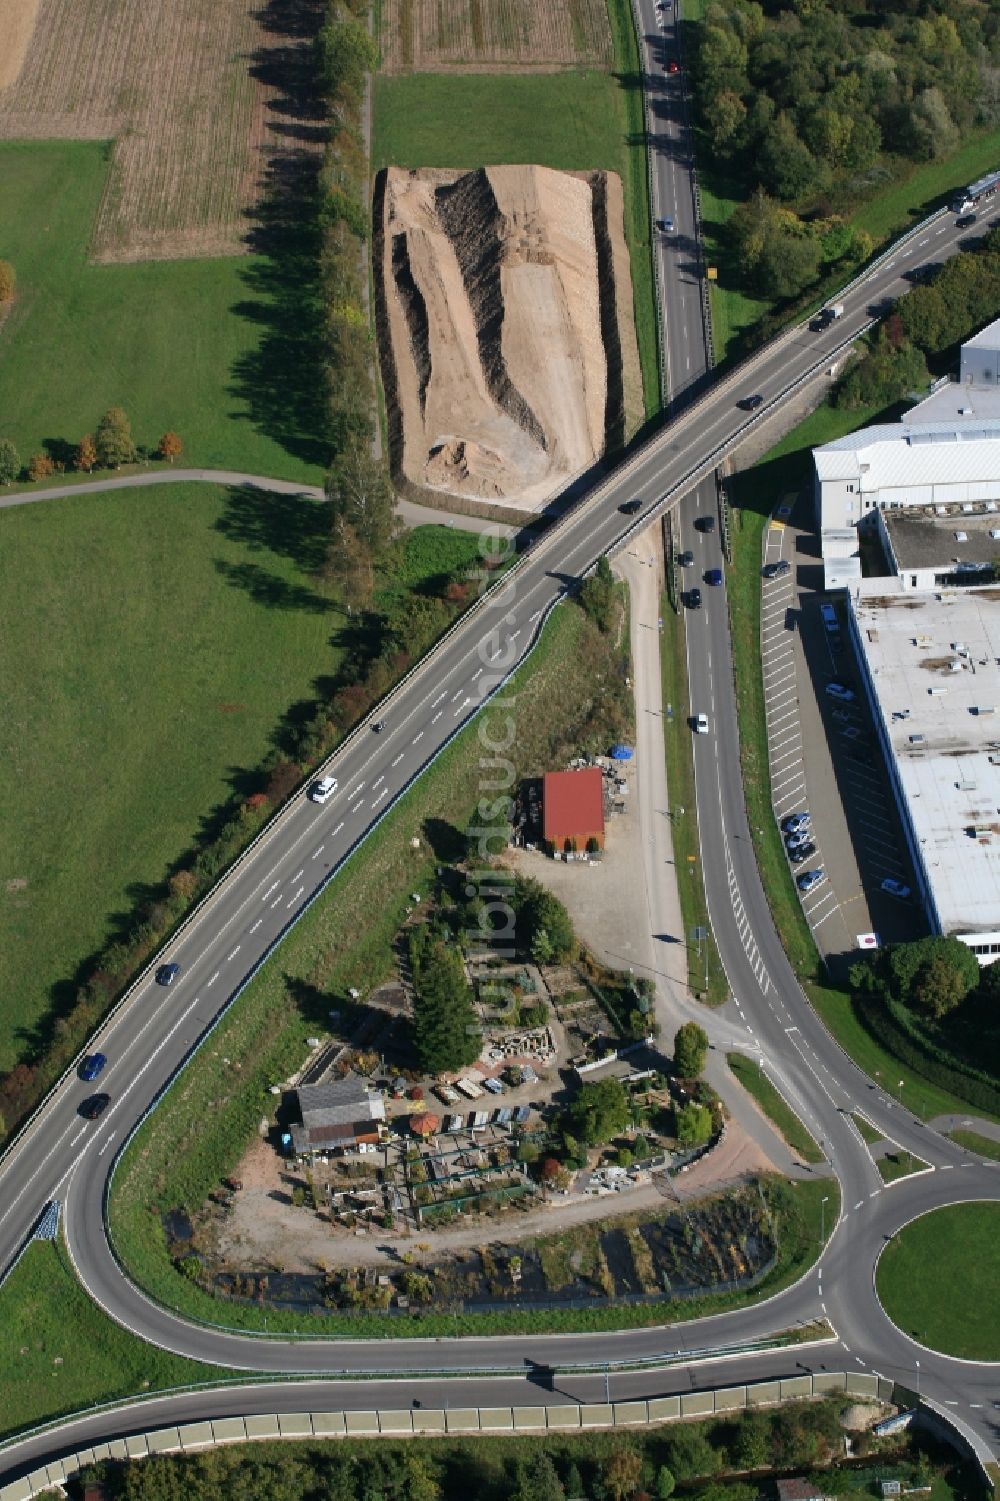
point(17, 22)
point(500, 339)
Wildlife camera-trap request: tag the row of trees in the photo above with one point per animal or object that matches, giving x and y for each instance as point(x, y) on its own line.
point(109, 447)
point(446, 1033)
point(924, 327)
point(604, 1468)
point(813, 98)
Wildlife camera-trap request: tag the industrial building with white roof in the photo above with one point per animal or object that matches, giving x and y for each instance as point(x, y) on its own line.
point(927, 637)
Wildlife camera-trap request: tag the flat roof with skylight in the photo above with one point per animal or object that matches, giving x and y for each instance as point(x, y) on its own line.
point(934, 663)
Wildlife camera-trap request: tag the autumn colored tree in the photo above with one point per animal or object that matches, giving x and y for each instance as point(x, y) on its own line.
point(170, 447)
point(8, 281)
point(622, 1472)
point(10, 462)
point(40, 466)
point(86, 454)
point(114, 439)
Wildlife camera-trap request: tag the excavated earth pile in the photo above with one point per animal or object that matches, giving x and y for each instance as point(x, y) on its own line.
point(504, 309)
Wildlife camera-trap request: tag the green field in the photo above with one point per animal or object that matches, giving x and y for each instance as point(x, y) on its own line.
point(208, 348)
point(573, 121)
point(60, 1353)
point(937, 1280)
point(985, 1146)
point(757, 1084)
point(145, 677)
point(899, 1164)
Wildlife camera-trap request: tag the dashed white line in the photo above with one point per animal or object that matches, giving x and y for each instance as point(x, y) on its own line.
point(212, 981)
point(439, 698)
point(382, 794)
point(232, 956)
point(267, 893)
point(437, 716)
point(276, 903)
point(296, 896)
point(256, 925)
point(338, 828)
point(417, 737)
point(398, 759)
point(106, 1145)
point(298, 874)
point(477, 673)
point(357, 791)
point(317, 852)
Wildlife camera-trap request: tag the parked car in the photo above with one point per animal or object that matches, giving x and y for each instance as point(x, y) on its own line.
point(701, 724)
point(167, 974)
point(750, 403)
point(323, 790)
point(95, 1106)
point(801, 852)
point(896, 888)
point(840, 691)
point(775, 570)
point(694, 599)
point(91, 1067)
point(685, 559)
point(795, 838)
point(705, 523)
point(796, 821)
point(713, 576)
point(810, 878)
point(629, 507)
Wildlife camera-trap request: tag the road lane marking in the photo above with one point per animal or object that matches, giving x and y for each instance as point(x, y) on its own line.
point(477, 673)
point(267, 893)
point(377, 782)
point(106, 1145)
point(233, 954)
point(398, 759)
point(211, 982)
point(357, 791)
point(256, 925)
point(439, 698)
point(437, 716)
point(277, 902)
point(417, 737)
point(296, 896)
point(298, 875)
point(382, 794)
point(337, 829)
point(82, 1132)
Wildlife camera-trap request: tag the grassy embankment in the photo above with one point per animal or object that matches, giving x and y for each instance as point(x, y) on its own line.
point(60, 1353)
point(985, 1146)
point(154, 665)
point(681, 790)
point(757, 1084)
point(579, 120)
point(779, 476)
point(937, 1280)
point(177, 343)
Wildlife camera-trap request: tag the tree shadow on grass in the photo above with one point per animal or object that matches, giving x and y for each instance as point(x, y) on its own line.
point(290, 526)
point(268, 589)
point(281, 382)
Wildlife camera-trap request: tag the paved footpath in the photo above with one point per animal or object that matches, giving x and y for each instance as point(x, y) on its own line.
point(410, 513)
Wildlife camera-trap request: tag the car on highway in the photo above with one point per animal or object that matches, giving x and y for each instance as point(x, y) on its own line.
point(841, 692)
point(685, 559)
point(705, 523)
point(701, 724)
point(896, 888)
point(801, 852)
point(95, 1106)
point(775, 570)
point(810, 879)
point(91, 1067)
point(667, 226)
point(629, 507)
point(796, 821)
point(714, 577)
point(965, 221)
point(694, 599)
point(673, 66)
point(378, 726)
point(750, 403)
point(323, 790)
point(167, 974)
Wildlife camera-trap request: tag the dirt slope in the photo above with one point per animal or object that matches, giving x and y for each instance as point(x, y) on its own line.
point(500, 291)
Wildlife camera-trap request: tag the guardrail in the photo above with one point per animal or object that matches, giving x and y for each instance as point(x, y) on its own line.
point(650, 193)
point(422, 1422)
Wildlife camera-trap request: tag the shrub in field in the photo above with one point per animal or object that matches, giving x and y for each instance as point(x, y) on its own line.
point(690, 1050)
point(10, 462)
point(40, 466)
point(86, 454)
point(114, 439)
point(170, 447)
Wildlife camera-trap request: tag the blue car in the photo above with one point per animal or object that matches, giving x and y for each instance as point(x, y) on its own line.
point(92, 1066)
point(713, 576)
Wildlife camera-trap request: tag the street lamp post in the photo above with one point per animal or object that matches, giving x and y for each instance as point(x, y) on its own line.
point(918, 1383)
point(822, 1221)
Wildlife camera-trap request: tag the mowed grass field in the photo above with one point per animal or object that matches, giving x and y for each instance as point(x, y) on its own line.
point(573, 121)
point(176, 87)
point(937, 1280)
point(196, 346)
point(152, 641)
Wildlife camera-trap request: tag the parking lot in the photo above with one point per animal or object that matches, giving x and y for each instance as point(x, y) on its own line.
point(823, 752)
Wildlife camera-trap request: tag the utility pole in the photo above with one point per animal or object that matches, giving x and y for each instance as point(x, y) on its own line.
point(918, 1383)
point(822, 1221)
point(607, 1384)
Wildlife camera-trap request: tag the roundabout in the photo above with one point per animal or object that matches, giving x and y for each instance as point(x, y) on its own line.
point(936, 1280)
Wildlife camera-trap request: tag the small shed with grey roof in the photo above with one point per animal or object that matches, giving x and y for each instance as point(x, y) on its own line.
point(337, 1115)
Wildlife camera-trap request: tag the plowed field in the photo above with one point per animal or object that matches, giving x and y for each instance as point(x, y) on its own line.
point(171, 86)
point(424, 35)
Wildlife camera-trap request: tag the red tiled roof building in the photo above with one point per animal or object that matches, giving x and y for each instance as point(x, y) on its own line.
point(573, 809)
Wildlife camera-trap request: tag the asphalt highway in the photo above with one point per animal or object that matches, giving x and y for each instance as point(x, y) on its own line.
point(155, 1029)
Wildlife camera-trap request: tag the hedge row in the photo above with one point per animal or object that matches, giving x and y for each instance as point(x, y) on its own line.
point(890, 1024)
